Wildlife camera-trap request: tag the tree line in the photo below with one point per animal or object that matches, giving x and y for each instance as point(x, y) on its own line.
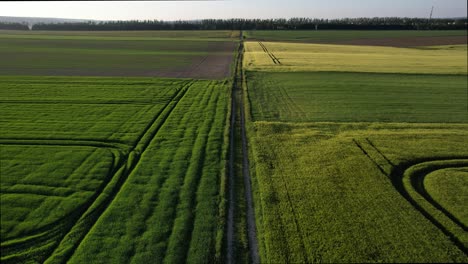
point(376, 23)
point(13, 26)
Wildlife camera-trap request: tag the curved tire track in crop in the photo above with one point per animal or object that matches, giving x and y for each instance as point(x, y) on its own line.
point(84, 217)
point(417, 182)
point(408, 179)
point(404, 172)
point(55, 230)
point(84, 224)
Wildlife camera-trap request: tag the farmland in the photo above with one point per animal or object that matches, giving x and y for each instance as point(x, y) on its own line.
point(124, 54)
point(299, 57)
point(89, 161)
point(336, 205)
point(358, 153)
point(403, 38)
point(443, 184)
point(173, 147)
point(357, 97)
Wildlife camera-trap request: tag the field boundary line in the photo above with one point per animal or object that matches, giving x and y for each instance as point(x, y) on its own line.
point(64, 142)
point(230, 250)
point(251, 223)
point(85, 102)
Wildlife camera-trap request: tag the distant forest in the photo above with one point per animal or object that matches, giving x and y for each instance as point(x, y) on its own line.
point(386, 23)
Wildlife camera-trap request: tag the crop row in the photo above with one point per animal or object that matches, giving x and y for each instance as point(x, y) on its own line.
point(357, 97)
point(321, 198)
point(167, 210)
point(184, 135)
point(21, 249)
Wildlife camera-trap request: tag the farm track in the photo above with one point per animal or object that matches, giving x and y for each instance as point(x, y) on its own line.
point(237, 102)
point(251, 226)
point(398, 174)
point(272, 56)
point(83, 216)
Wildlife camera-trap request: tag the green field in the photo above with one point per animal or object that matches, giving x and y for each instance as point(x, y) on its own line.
point(349, 58)
point(117, 147)
point(41, 186)
point(357, 97)
point(191, 35)
point(323, 199)
point(168, 54)
point(131, 152)
point(357, 152)
point(343, 35)
point(449, 188)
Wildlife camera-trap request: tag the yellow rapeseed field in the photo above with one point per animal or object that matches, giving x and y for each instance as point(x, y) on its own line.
point(347, 58)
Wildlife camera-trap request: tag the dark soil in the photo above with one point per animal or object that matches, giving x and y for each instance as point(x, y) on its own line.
point(408, 41)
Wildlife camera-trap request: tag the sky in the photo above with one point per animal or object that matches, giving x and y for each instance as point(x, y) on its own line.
point(187, 10)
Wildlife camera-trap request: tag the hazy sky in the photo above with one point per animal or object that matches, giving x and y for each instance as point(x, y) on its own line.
point(173, 10)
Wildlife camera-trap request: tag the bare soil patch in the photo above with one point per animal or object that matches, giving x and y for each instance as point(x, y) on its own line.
point(215, 65)
point(408, 41)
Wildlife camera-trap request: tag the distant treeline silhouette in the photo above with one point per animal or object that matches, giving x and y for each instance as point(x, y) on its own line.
point(13, 26)
point(385, 23)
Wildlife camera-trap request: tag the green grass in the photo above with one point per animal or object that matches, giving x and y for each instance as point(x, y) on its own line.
point(343, 35)
point(357, 97)
point(105, 109)
point(321, 199)
point(449, 188)
point(114, 54)
point(167, 210)
point(302, 57)
point(40, 186)
point(148, 153)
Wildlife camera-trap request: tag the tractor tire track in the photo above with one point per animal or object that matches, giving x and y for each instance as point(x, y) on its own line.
point(56, 229)
point(128, 164)
point(398, 175)
point(400, 172)
point(272, 56)
point(83, 216)
point(417, 182)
